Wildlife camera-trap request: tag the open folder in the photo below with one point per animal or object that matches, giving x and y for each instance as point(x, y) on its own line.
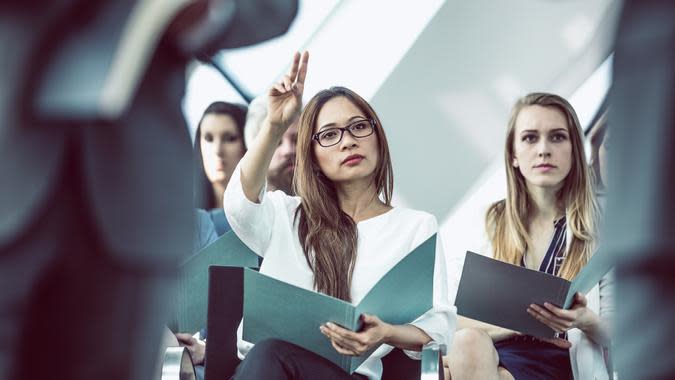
point(499, 293)
point(192, 295)
point(275, 309)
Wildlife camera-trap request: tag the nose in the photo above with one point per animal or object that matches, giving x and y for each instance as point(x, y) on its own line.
point(348, 141)
point(543, 149)
point(220, 148)
point(287, 148)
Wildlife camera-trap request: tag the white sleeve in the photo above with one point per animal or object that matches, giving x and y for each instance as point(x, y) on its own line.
point(254, 222)
point(606, 306)
point(439, 322)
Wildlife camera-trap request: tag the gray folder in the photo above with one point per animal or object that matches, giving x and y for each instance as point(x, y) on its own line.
point(192, 295)
point(499, 293)
point(275, 309)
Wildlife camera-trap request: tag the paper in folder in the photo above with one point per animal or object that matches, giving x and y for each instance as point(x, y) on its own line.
point(275, 309)
point(499, 293)
point(192, 295)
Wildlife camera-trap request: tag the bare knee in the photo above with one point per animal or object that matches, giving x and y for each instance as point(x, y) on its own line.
point(472, 342)
point(504, 374)
point(472, 354)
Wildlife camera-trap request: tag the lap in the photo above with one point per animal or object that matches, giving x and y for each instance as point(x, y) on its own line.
point(277, 359)
point(525, 358)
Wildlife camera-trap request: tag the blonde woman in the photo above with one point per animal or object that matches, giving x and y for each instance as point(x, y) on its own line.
point(548, 223)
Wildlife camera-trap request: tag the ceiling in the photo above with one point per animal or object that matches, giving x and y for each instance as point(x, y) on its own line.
point(445, 105)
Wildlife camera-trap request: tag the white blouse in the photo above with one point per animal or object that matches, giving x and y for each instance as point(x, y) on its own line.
point(270, 230)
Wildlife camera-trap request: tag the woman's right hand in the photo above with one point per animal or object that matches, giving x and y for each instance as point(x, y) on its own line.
point(285, 97)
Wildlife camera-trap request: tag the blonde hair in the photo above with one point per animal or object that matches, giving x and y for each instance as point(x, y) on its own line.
point(507, 220)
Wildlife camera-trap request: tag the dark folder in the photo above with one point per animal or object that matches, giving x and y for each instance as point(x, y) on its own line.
point(275, 309)
point(498, 293)
point(192, 295)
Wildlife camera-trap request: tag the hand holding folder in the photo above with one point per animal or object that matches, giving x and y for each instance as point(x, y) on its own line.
point(499, 293)
point(275, 309)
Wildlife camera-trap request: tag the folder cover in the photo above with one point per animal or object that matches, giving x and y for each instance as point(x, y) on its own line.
point(275, 309)
point(499, 293)
point(192, 295)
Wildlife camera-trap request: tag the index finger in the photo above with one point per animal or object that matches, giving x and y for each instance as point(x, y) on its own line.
point(302, 71)
point(339, 330)
point(183, 336)
point(562, 313)
point(294, 66)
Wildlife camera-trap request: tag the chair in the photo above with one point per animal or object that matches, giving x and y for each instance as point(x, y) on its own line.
point(177, 364)
point(225, 310)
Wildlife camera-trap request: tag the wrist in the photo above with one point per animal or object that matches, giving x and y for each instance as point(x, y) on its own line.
point(389, 331)
point(273, 130)
point(589, 322)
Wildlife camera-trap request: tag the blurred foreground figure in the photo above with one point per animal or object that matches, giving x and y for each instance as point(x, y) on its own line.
point(95, 164)
point(640, 218)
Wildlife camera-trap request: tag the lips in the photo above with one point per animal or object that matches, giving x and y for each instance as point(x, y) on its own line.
point(545, 166)
point(354, 159)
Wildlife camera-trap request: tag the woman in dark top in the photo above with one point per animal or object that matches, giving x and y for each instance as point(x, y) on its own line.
point(548, 223)
point(219, 145)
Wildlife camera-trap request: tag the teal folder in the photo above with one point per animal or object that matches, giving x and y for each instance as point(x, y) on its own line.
point(275, 309)
point(192, 296)
point(498, 293)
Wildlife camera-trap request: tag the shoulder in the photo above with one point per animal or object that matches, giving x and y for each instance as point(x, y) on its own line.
point(282, 200)
point(496, 208)
point(415, 217)
point(202, 219)
point(416, 224)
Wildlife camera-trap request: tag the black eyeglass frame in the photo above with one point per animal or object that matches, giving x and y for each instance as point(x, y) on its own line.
point(342, 130)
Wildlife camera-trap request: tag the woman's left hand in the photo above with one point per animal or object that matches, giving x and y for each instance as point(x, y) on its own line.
point(346, 342)
point(561, 320)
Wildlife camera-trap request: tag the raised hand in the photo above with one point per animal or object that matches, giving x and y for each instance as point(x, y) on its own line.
point(285, 97)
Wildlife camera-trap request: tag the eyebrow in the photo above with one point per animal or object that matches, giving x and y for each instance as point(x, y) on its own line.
point(551, 131)
point(348, 121)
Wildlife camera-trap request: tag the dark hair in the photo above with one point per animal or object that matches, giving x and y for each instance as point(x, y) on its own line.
point(203, 196)
point(327, 234)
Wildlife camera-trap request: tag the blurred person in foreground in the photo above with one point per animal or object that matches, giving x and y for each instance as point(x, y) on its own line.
point(639, 228)
point(90, 130)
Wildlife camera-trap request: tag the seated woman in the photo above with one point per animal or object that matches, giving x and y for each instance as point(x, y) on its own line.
point(339, 236)
point(548, 223)
point(219, 145)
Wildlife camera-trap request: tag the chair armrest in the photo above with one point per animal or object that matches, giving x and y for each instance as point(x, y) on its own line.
point(177, 364)
point(432, 363)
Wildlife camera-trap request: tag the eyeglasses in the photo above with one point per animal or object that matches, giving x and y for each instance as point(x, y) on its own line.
point(331, 136)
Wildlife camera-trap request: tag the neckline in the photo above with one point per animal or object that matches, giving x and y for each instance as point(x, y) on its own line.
point(377, 217)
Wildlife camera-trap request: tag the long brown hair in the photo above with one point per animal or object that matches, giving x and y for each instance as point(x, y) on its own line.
point(327, 234)
point(507, 220)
